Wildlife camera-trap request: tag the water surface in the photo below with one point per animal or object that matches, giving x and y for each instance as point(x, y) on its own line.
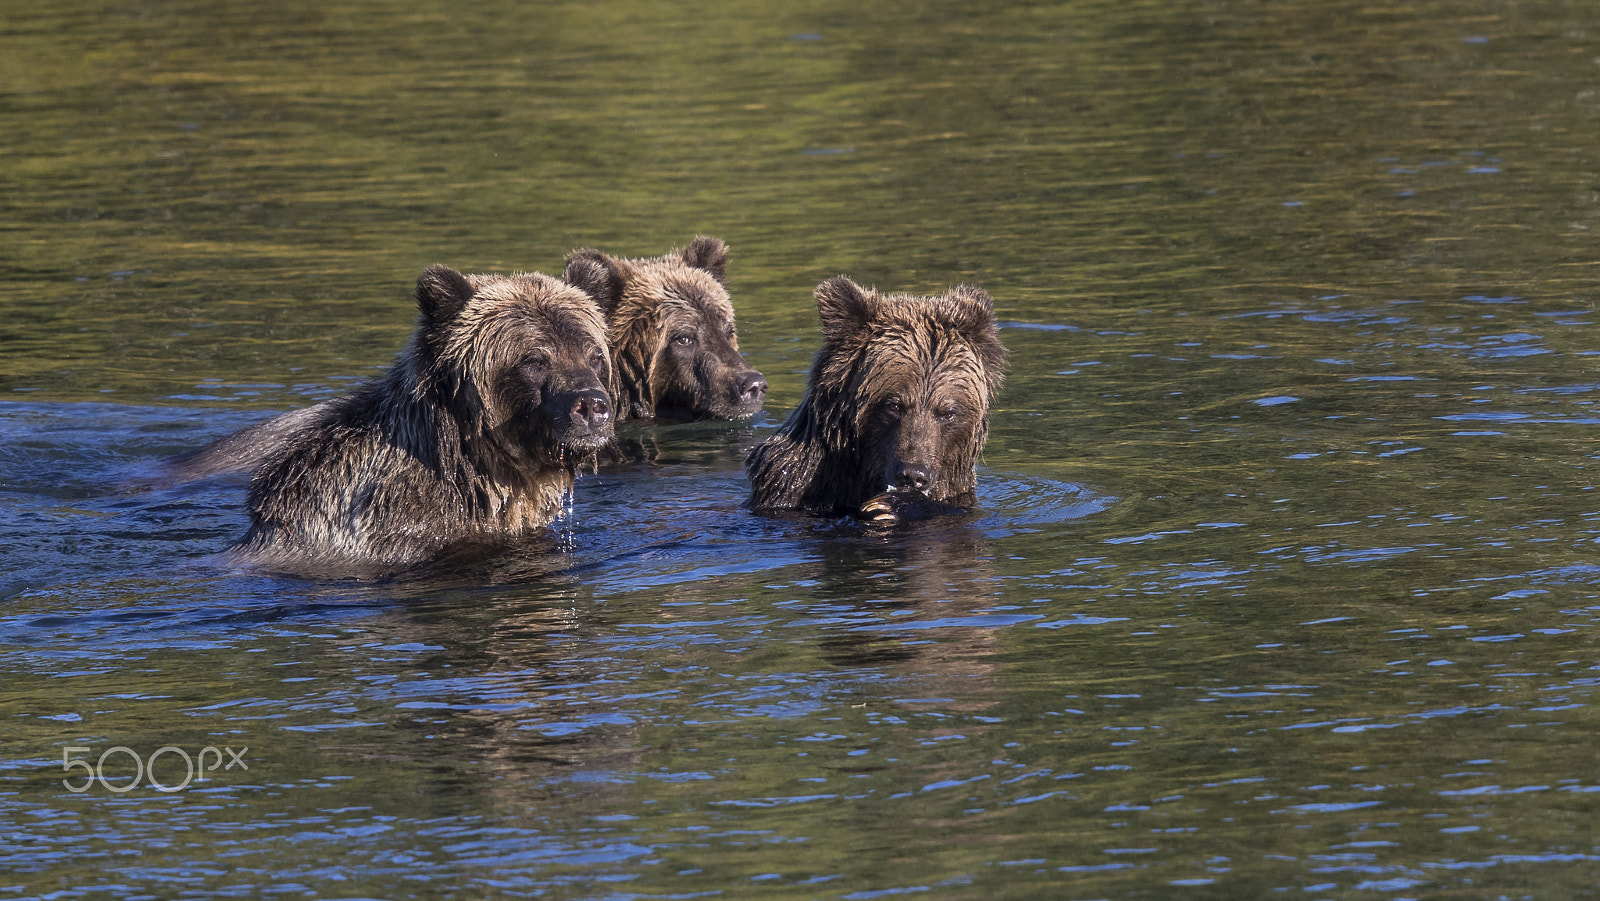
point(1283, 578)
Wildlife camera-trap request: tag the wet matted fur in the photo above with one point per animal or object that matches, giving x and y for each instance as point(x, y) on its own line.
point(896, 410)
point(472, 436)
point(671, 330)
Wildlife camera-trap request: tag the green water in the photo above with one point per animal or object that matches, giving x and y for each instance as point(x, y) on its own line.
point(1284, 576)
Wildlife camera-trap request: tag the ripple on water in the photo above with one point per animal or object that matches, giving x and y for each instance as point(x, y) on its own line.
point(624, 532)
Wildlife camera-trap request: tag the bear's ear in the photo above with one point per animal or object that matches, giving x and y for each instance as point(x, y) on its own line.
point(442, 293)
point(974, 311)
point(973, 316)
point(708, 254)
point(843, 306)
point(596, 274)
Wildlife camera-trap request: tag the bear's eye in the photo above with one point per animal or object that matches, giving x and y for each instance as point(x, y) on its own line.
point(894, 407)
point(596, 357)
point(730, 333)
point(947, 413)
point(684, 340)
point(536, 360)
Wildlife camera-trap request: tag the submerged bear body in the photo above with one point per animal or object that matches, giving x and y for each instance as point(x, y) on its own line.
point(896, 410)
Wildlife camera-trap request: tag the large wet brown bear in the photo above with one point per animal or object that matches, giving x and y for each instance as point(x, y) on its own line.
point(670, 327)
point(896, 410)
point(472, 436)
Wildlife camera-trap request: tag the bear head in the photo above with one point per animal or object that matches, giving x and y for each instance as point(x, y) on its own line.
point(897, 406)
point(519, 362)
point(671, 330)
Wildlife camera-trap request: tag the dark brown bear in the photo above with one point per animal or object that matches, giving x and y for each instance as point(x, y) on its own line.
point(670, 326)
point(472, 436)
point(896, 411)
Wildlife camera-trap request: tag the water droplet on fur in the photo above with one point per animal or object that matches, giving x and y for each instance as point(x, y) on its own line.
point(562, 526)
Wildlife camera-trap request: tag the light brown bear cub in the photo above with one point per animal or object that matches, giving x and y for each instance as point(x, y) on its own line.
point(472, 436)
point(896, 411)
point(671, 331)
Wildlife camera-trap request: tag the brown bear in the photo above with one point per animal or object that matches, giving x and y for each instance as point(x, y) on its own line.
point(472, 437)
point(670, 326)
point(895, 413)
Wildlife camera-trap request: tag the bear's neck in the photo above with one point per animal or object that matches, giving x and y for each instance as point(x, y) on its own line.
point(532, 506)
point(496, 483)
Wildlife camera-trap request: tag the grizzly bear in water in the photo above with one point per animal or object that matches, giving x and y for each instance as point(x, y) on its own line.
point(472, 436)
point(896, 410)
point(670, 325)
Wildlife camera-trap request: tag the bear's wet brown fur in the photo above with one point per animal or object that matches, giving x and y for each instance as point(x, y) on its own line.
point(896, 411)
point(472, 436)
point(671, 331)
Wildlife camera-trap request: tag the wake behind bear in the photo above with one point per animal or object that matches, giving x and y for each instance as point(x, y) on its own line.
point(473, 436)
point(896, 410)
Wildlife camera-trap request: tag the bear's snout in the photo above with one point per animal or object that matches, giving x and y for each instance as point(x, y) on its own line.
point(913, 477)
point(590, 409)
point(750, 392)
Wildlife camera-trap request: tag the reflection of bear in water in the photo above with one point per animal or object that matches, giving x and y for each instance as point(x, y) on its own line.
point(473, 435)
point(896, 411)
point(670, 324)
point(933, 570)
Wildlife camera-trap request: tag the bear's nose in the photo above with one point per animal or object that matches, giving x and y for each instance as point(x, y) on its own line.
point(913, 477)
point(591, 407)
point(753, 387)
